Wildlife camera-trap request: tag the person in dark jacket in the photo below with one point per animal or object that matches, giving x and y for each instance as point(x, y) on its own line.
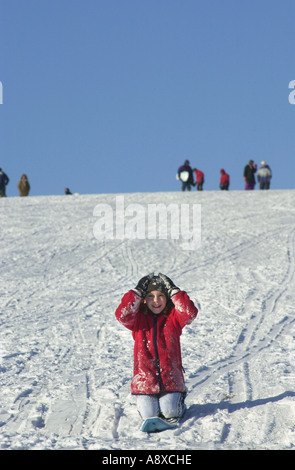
point(224, 180)
point(156, 311)
point(185, 174)
point(249, 175)
point(4, 180)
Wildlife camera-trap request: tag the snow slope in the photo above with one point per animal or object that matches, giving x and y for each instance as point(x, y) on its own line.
point(66, 363)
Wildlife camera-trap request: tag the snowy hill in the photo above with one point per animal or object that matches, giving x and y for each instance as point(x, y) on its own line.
point(66, 363)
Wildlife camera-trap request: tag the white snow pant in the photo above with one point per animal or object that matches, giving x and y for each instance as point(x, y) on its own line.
point(168, 405)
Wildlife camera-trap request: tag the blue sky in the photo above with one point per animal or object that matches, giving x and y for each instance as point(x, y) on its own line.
point(111, 96)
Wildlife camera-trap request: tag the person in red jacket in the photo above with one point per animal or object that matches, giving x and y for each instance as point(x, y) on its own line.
point(224, 180)
point(200, 179)
point(156, 312)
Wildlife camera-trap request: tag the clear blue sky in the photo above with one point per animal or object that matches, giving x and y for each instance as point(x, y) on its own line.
point(111, 96)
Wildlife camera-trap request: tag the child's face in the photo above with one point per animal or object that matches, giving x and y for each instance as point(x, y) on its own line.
point(156, 301)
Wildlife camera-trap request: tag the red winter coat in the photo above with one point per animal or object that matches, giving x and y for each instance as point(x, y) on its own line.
point(224, 178)
point(199, 176)
point(157, 353)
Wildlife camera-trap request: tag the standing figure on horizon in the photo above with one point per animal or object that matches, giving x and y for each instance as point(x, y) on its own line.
point(23, 186)
point(185, 174)
point(200, 179)
point(264, 175)
point(249, 175)
point(4, 180)
point(224, 180)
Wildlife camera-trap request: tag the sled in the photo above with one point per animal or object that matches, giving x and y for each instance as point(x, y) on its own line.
point(184, 176)
point(157, 424)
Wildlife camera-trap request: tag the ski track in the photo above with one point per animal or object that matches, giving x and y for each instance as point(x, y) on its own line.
point(66, 364)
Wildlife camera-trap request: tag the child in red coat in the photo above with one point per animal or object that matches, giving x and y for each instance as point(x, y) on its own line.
point(200, 179)
point(156, 312)
point(224, 180)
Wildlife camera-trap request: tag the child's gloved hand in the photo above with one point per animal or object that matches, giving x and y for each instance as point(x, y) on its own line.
point(143, 283)
point(169, 284)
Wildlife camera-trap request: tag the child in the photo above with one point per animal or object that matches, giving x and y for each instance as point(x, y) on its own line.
point(156, 311)
point(200, 179)
point(224, 180)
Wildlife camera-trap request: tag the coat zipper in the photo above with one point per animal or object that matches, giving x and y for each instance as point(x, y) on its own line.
point(161, 386)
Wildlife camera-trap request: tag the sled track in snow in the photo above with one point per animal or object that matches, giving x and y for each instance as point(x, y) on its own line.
point(263, 327)
point(264, 330)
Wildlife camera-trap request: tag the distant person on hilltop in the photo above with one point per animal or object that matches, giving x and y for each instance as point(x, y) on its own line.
point(23, 186)
point(249, 175)
point(200, 179)
point(264, 175)
point(4, 180)
point(185, 174)
point(224, 180)
point(67, 191)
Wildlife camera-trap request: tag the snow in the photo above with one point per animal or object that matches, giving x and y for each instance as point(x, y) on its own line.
point(66, 363)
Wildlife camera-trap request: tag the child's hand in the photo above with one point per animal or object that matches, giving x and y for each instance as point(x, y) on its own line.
point(143, 283)
point(169, 284)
